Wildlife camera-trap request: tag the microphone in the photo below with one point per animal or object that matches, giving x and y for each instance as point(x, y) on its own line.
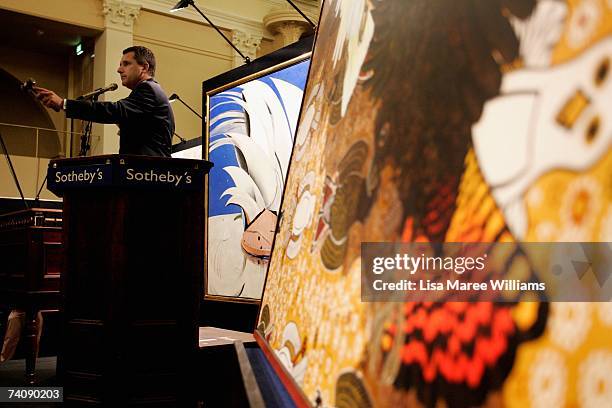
point(27, 85)
point(98, 92)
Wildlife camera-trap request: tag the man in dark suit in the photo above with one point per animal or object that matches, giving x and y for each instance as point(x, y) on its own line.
point(145, 118)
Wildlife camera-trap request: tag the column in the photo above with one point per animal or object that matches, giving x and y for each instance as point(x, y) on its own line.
point(287, 26)
point(118, 35)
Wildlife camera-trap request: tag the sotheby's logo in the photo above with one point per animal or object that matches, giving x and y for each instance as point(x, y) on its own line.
point(79, 176)
point(83, 175)
point(181, 178)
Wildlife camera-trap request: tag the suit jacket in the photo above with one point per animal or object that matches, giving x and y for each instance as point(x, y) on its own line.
point(145, 119)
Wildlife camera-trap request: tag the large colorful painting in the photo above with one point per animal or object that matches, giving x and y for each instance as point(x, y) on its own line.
point(445, 121)
point(251, 131)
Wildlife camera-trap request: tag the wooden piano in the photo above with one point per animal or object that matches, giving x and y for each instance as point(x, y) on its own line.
point(30, 265)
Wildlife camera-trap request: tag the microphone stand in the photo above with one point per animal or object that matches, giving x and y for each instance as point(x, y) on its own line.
point(175, 97)
point(37, 198)
point(71, 135)
point(12, 169)
point(86, 137)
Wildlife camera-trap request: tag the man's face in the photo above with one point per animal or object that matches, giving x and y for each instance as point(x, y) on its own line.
point(131, 73)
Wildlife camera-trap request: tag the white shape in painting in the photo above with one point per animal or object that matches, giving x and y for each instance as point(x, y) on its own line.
point(520, 135)
point(513, 151)
point(538, 34)
point(604, 311)
point(355, 32)
point(548, 380)
point(594, 381)
point(583, 23)
point(310, 119)
point(265, 151)
point(303, 215)
point(288, 354)
point(230, 271)
point(569, 324)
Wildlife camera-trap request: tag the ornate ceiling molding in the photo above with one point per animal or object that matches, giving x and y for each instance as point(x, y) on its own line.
point(248, 44)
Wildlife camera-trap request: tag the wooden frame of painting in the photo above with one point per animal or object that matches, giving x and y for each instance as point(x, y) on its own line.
point(251, 117)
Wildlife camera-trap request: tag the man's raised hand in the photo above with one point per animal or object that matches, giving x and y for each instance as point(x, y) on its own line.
point(49, 98)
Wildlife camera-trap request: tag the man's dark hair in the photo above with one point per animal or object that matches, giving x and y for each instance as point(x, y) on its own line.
point(142, 55)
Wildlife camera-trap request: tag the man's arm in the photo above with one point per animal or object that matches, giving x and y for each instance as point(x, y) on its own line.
point(140, 102)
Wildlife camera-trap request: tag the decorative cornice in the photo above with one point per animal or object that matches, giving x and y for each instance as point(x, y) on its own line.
point(120, 13)
point(247, 43)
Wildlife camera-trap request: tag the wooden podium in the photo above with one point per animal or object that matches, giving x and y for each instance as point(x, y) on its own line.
point(132, 282)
